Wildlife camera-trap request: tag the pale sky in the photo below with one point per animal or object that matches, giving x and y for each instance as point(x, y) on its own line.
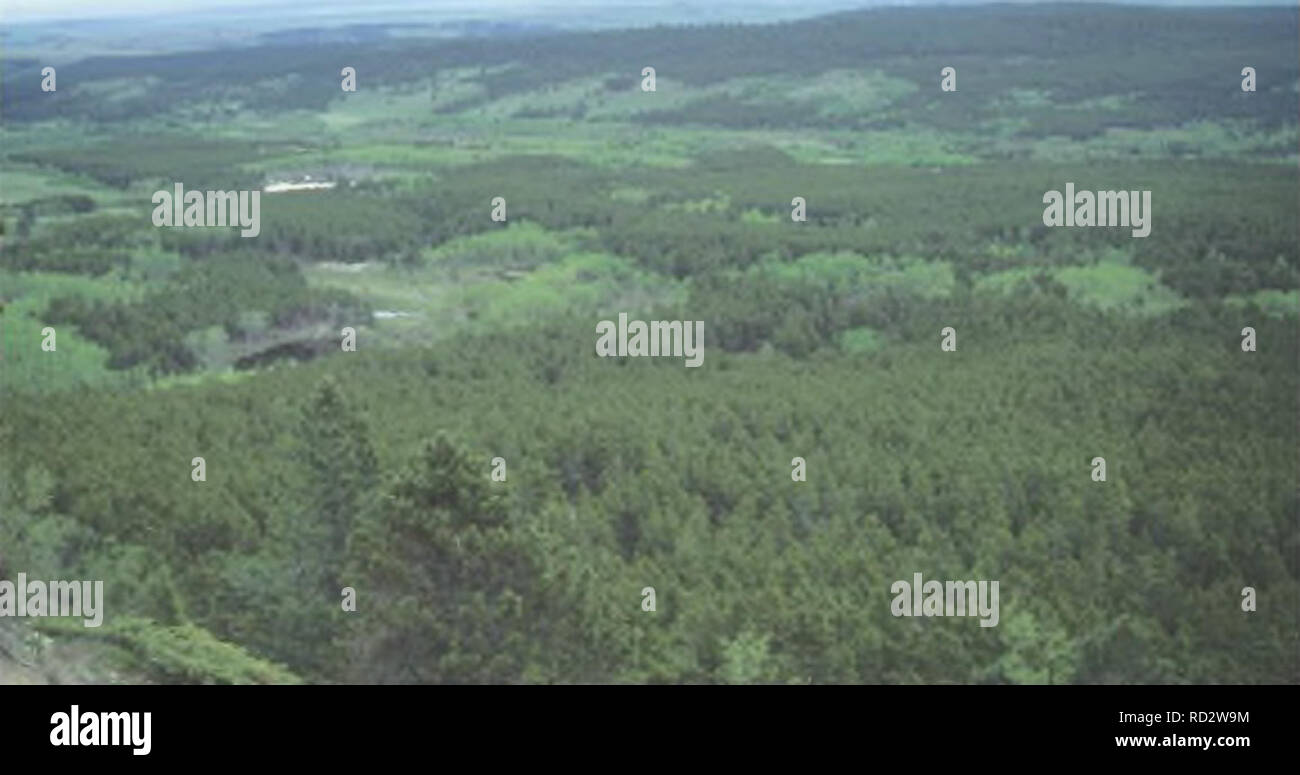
point(24, 9)
point(35, 10)
point(39, 10)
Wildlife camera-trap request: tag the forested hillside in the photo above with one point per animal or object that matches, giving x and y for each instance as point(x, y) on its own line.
point(372, 470)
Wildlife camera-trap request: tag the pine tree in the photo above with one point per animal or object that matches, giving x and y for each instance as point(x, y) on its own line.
point(297, 579)
point(342, 467)
point(442, 580)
